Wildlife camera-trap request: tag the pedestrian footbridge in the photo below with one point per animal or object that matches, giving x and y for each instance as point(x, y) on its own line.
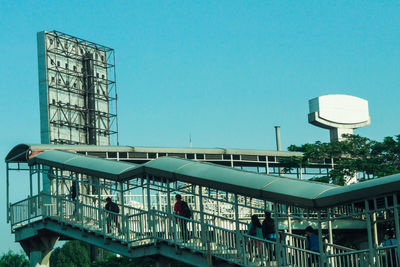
point(221, 199)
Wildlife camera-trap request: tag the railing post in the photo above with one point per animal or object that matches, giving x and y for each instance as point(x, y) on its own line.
point(57, 201)
point(30, 204)
point(279, 251)
point(239, 236)
point(153, 217)
point(370, 246)
point(38, 178)
point(171, 217)
point(81, 213)
point(61, 201)
point(320, 241)
point(101, 214)
point(128, 234)
point(121, 196)
point(330, 226)
point(149, 224)
point(30, 181)
point(396, 225)
point(203, 226)
point(8, 193)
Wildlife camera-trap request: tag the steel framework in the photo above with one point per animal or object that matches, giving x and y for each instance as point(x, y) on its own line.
point(78, 91)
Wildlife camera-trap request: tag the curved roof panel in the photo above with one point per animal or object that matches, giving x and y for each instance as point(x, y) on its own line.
point(272, 188)
point(262, 186)
point(84, 164)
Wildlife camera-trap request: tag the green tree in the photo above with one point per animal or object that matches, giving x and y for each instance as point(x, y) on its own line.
point(12, 259)
point(353, 155)
point(71, 254)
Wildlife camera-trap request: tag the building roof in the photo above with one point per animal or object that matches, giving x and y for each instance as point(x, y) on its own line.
point(20, 153)
point(271, 188)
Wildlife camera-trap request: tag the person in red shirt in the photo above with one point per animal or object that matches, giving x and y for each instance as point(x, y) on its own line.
point(182, 222)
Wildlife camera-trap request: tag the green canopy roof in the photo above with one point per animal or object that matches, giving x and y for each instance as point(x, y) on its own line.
point(272, 188)
point(84, 164)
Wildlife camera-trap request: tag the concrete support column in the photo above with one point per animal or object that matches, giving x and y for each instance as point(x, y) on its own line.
point(39, 248)
point(36, 259)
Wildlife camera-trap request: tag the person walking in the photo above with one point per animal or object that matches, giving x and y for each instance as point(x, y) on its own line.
point(112, 211)
point(268, 230)
point(312, 244)
point(73, 193)
point(181, 209)
point(255, 229)
point(268, 227)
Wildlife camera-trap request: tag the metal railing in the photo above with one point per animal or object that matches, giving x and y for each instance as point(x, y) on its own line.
point(214, 236)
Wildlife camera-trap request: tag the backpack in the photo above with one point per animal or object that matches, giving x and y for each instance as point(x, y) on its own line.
point(185, 210)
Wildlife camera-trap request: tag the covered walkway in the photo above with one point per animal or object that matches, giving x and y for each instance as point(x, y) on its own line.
point(221, 199)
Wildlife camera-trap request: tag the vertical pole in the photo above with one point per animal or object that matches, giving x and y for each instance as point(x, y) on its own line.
point(57, 202)
point(8, 192)
point(121, 195)
point(320, 241)
point(375, 229)
point(38, 178)
point(169, 212)
point(203, 225)
point(116, 98)
point(396, 224)
point(102, 217)
point(280, 258)
point(370, 246)
point(238, 234)
point(144, 197)
point(289, 220)
point(30, 181)
point(330, 227)
point(301, 171)
point(159, 201)
point(149, 210)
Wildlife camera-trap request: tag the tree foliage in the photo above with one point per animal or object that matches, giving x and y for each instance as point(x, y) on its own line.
point(12, 259)
point(71, 254)
point(77, 254)
point(353, 155)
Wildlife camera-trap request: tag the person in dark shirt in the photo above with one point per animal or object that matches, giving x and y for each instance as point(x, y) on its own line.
point(74, 190)
point(112, 209)
point(182, 222)
point(312, 244)
point(268, 227)
point(73, 195)
point(268, 230)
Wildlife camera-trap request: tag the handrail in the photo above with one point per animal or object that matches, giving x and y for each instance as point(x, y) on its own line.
point(148, 226)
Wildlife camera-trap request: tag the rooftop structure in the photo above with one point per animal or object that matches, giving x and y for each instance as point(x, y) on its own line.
point(341, 114)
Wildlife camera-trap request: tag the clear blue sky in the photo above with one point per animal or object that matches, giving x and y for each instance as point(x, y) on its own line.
point(225, 71)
